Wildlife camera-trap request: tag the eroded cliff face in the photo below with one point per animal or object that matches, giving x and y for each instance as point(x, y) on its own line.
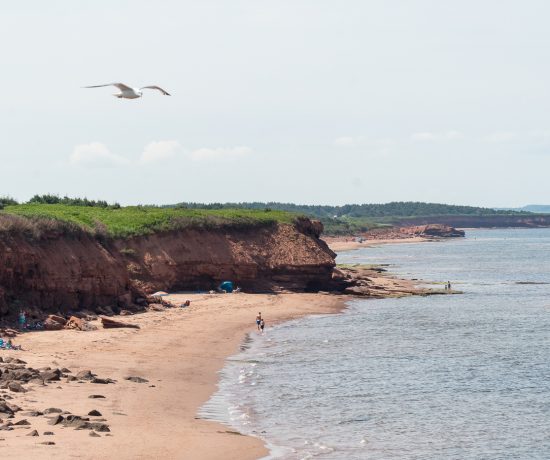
point(71, 273)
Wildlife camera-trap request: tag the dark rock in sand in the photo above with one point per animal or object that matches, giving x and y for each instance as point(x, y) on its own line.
point(35, 413)
point(94, 413)
point(16, 387)
point(111, 323)
point(22, 422)
point(77, 422)
point(102, 427)
point(96, 397)
point(85, 375)
point(33, 433)
point(48, 433)
point(137, 379)
point(50, 376)
point(6, 427)
point(102, 381)
point(71, 378)
point(5, 409)
point(55, 420)
point(48, 443)
point(52, 410)
point(94, 434)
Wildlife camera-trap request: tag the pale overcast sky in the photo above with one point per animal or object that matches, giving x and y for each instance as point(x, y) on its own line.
point(307, 101)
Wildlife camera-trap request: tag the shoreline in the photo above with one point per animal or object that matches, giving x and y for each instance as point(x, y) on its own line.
point(179, 351)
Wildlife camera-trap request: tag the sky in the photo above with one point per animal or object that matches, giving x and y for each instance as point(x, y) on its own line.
point(304, 101)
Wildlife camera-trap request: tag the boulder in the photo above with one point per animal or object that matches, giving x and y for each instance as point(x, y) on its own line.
point(16, 387)
point(54, 323)
point(52, 410)
point(55, 420)
point(33, 433)
point(85, 375)
point(111, 323)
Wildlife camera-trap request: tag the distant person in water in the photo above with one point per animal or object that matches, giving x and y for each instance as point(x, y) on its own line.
point(262, 325)
point(449, 285)
point(258, 319)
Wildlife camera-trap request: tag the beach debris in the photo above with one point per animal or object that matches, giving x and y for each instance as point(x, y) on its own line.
point(137, 379)
point(94, 413)
point(33, 433)
point(111, 323)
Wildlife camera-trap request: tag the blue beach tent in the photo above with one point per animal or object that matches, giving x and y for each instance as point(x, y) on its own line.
point(227, 286)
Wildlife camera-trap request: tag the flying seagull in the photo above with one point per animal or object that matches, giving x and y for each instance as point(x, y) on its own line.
point(129, 93)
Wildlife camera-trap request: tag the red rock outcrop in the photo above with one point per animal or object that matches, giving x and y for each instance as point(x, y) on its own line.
point(68, 273)
point(430, 230)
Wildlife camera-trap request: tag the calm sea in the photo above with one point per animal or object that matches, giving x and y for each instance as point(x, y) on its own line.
point(441, 377)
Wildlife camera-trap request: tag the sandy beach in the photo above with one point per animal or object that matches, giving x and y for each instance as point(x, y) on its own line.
point(179, 351)
point(341, 244)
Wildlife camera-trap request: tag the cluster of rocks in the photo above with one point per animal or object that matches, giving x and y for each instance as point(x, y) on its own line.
point(363, 280)
point(14, 374)
point(58, 322)
point(56, 417)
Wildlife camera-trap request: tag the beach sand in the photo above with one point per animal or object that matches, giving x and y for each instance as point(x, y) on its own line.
point(341, 244)
point(179, 351)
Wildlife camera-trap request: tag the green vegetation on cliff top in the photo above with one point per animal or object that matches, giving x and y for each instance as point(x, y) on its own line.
point(123, 222)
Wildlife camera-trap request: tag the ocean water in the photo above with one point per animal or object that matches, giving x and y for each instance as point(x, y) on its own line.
point(442, 377)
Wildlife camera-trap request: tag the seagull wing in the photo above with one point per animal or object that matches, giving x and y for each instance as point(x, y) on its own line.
point(156, 87)
point(120, 86)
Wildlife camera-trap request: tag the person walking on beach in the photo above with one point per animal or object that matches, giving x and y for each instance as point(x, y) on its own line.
point(259, 319)
point(262, 325)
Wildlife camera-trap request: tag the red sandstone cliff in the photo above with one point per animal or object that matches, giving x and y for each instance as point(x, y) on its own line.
point(63, 273)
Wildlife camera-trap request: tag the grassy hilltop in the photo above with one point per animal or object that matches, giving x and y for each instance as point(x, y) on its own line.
point(123, 222)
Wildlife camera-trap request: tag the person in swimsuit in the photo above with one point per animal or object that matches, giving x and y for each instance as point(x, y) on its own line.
point(262, 324)
point(258, 320)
